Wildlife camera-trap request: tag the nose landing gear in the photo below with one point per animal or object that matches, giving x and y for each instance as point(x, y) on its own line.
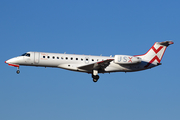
point(14, 65)
point(18, 71)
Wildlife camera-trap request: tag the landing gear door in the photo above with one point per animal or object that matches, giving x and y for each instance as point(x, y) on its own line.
point(36, 57)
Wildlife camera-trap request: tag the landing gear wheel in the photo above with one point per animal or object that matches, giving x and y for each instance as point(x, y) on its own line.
point(17, 71)
point(95, 78)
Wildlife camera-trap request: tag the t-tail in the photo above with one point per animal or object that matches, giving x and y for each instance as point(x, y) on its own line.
point(155, 53)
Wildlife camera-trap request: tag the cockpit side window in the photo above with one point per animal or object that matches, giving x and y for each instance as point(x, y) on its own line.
point(26, 54)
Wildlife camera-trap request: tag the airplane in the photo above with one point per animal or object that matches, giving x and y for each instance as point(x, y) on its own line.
point(93, 64)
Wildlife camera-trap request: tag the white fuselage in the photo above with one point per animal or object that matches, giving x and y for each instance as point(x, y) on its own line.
point(93, 64)
point(73, 61)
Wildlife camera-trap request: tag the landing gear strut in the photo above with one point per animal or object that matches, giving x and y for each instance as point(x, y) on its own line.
point(18, 71)
point(95, 75)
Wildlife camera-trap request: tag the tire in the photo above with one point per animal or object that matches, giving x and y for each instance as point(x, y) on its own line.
point(95, 80)
point(17, 71)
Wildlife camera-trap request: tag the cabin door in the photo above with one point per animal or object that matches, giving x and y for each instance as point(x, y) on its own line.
point(36, 57)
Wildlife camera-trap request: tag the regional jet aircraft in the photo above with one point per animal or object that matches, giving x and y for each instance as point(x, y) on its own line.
point(93, 64)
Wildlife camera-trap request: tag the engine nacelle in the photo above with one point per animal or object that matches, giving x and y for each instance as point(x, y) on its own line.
point(125, 59)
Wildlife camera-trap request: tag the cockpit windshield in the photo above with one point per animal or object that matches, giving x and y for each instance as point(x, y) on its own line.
point(23, 54)
point(26, 54)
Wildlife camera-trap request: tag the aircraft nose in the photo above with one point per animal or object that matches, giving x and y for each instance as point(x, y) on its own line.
point(10, 61)
point(6, 61)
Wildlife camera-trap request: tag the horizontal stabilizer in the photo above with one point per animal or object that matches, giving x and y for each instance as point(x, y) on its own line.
point(166, 43)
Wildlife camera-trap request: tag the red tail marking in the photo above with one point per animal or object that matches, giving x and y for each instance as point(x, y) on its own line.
point(156, 50)
point(153, 48)
point(130, 59)
point(155, 58)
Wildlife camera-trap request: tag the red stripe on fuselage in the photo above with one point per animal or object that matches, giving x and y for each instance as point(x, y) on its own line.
point(13, 65)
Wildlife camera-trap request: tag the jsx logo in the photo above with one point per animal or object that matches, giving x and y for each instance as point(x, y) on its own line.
point(125, 59)
point(130, 59)
point(155, 57)
point(122, 59)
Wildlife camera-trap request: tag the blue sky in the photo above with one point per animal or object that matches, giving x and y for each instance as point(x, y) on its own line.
point(92, 28)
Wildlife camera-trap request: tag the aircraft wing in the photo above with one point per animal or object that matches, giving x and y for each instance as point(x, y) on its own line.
point(96, 66)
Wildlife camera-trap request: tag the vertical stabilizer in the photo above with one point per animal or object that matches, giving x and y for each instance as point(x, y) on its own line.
point(155, 53)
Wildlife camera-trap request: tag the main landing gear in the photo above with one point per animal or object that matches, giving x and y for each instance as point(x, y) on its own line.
point(18, 71)
point(95, 78)
point(95, 75)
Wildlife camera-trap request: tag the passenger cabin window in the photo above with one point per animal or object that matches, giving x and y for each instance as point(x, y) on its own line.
point(57, 57)
point(81, 59)
point(53, 57)
point(66, 58)
point(71, 58)
point(47, 56)
point(44, 56)
point(76, 58)
point(62, 58)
